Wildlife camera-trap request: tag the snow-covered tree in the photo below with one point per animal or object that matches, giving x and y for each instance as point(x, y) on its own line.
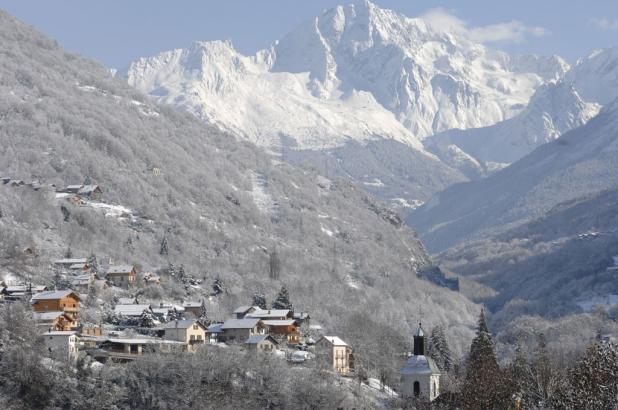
point(274, 265)
point(217, 286)
point(282, 301)
point(147, 319)
point(259, 300)
point(439, 350)
point(93, 263)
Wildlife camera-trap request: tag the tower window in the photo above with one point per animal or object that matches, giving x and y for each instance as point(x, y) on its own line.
point(417, 389)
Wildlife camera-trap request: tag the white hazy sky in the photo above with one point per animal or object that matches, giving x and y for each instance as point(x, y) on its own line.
point(116, 32)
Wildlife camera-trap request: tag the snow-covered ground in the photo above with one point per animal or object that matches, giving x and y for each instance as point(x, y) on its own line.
point(262, 199)
point(404, 203)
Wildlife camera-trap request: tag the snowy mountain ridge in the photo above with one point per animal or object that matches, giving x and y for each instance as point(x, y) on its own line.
point(356, 72)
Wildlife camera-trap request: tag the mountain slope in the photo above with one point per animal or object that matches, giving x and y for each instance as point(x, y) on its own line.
point(581, 162)
point(222, 205)
point(555, 108)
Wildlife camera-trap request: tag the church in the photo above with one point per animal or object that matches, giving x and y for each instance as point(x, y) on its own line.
point(420, 375)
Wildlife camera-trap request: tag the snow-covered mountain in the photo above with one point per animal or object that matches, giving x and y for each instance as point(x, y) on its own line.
point(555, 108)
point(356, 72)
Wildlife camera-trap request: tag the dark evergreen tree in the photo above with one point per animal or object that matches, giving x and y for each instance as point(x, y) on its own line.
point(181, 273)
point(259, 300)
point(93, 263)
point(439, 350)
point(483, 387)
point(68, 254)
point(66, 214)
point(217, 287)
point(147, 319)
point(282, 301)
point(163, 247)
point(203, 316)
point(274, 265)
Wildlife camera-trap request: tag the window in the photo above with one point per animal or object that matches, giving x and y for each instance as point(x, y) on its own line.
point(417, 389)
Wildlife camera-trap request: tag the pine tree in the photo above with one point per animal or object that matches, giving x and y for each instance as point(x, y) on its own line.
point(68, 254)
point(259, 300)
point(181, 273)
point(217, 287)
point(282, 301)
point(203, 316)
point(146, 319)
point(93, 264)
point(483, 387)
point(439, 350)
point(163, 248)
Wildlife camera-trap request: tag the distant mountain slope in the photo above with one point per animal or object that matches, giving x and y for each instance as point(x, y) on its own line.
point(549, 266)
point(581, 162)
point(222, 205)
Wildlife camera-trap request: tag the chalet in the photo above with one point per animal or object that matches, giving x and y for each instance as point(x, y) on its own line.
point(133, 348)
point(82, 283)
point(336, 353)
point(53, 321)
point(128, 301)
point(287, 329)
point(242, 311)
point(238, 330)
point(62, 344)
point(161, 314)
point(271, 314)
point(190, 332)
point(131, 311)
point(262, 343)
point(301, 318)
point(123, 276)
point(66, 301)
point(19, 292)
point(149, 278)
point(194, 308)
point(213, 332)
point(86, 191)
point(72, 264)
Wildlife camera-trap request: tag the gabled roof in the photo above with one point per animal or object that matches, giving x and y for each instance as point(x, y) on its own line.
point(191, 304)
point(182, 324)
point(119, 269)
point(245, 309)
point(271, 313)
point(78, 265)
point(126, 301)
point(287, 322)
point(333, 340)
point(53, 295)
point(240, 323)
point(420, 365)
point(130, 310)
point(255, 339)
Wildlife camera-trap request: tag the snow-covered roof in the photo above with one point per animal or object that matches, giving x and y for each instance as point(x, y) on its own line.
point(181, 324)
point(142, 341)
point(78, 266)
point(126, 301)
point(53, 294)
point(119, 269)
point(60, 333)
point(255, 339)
point(244, 309)
point(24, 288)
point(191, 304)
point(130, 310)
point(240, 323)
point(215, 328)
point(272, 313)
point(70, 261)
point(334, 340)
point(419, 365)
point(287, 322)
point(41, 316)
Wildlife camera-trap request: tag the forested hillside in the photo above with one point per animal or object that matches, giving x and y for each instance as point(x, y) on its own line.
point(226, 211)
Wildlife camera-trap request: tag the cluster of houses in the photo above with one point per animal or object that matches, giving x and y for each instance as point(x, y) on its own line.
point(89, 191)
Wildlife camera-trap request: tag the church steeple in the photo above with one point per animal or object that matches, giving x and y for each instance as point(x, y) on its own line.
point(419, 341)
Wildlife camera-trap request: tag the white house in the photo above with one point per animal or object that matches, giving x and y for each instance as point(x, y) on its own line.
point(335, 352)
point(62, 344)
point(420, 375)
